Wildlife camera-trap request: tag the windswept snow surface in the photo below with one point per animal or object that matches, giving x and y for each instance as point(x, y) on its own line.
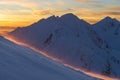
point(21, 63)
point(76, 42)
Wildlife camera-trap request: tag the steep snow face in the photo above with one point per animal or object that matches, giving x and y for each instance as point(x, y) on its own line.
point(109, 30)
point(20, 63)
point(73, 41)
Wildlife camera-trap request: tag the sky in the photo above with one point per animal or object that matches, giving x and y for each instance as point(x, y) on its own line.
point(19, 13)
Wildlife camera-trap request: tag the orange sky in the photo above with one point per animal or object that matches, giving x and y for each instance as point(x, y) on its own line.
point(14, 13)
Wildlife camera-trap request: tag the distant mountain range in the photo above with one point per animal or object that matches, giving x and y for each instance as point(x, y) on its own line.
point(75, 42)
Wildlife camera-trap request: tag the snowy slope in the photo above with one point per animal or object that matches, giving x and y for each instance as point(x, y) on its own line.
point(20, 63)
point(73, 41)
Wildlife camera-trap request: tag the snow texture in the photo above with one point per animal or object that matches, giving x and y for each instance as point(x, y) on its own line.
point(21, 63)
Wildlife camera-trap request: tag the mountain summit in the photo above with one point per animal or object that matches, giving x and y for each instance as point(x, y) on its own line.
point(108, 20)
point(109, 30)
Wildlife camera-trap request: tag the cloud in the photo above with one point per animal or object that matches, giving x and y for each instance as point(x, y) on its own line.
point(85, 1)
point(112, 13)
point(113, 8)
point(92, 16)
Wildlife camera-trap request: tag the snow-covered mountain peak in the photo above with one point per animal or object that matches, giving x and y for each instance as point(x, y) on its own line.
point(52, 17)
point(72, 20)
point(108, 20)
point(69, 15)
point(109, 29)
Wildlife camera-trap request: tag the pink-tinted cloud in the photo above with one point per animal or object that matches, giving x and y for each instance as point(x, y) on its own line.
point(84, 1)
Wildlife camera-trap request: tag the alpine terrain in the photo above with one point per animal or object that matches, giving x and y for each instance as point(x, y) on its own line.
point(73, 41)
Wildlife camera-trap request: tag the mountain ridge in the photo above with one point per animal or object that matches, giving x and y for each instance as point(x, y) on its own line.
point(71, 14)
point(75, 42)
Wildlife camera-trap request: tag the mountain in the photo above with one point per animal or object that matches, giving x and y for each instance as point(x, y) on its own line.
point(74, 42)
point(21, 63)
point(109, 30)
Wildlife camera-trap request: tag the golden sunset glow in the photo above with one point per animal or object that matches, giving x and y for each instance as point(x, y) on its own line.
point(19, 13)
